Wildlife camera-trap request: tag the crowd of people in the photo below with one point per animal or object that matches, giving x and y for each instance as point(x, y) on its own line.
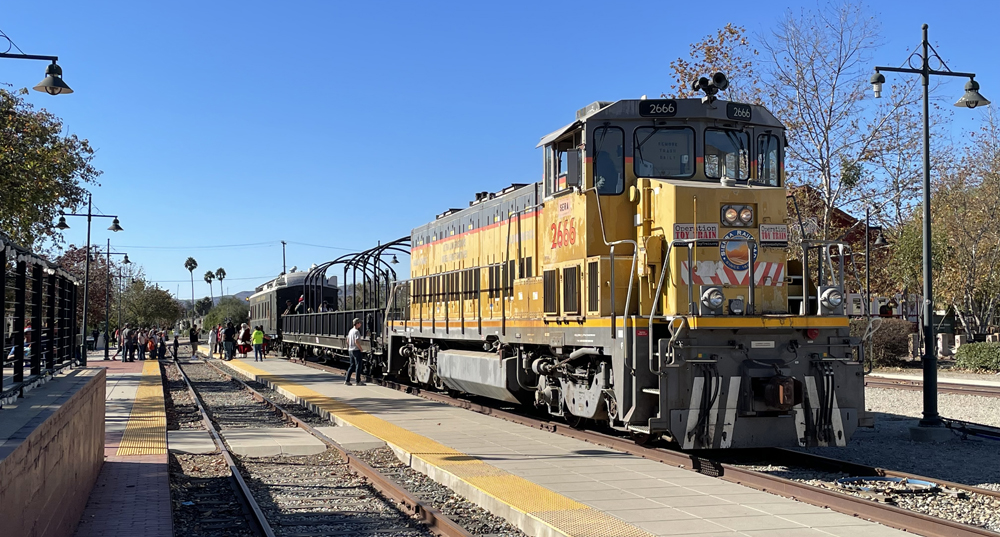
point(143, 342)
point(227, 341)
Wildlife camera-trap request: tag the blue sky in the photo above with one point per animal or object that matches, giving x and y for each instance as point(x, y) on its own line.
point(343, 123)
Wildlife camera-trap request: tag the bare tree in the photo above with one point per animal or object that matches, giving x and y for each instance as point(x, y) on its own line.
point(818, 70)
point(729, 51)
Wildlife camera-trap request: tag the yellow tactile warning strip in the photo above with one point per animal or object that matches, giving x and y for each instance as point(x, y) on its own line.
point(146, 432)
point(564, 515)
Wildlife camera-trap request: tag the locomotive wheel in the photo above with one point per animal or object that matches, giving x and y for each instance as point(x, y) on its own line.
point(576, 422)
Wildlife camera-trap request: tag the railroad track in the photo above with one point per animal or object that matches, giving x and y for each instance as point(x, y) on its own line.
point(712, 463)
point(330, 494)
point(943, 387)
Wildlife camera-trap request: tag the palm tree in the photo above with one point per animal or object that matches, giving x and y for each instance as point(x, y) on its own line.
point(191, 264)
point(209, 278)
point(221, 275)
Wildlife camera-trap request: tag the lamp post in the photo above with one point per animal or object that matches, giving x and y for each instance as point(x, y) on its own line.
point(86, 277)
point(970, 99)
point(107, 294)
point(879, 242)
point(52, 83)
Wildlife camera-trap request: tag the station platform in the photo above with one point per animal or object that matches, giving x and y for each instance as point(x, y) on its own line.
point(132, 493)
point(546, 484)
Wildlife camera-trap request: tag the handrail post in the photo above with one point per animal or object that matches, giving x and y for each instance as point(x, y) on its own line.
point(751, 303)
point(614, 319)
point(691, 305)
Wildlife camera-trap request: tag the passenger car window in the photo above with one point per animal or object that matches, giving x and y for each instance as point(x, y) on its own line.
point(768, 160)
point(726, 154)
point(664, 152)
point(609, 160)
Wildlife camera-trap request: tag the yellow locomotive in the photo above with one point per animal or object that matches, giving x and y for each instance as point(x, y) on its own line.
point(644, 283)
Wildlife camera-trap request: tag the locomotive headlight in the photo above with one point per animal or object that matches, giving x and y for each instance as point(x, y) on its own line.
point(832, 298)
point(746, 215)
point(712, 299)
point(731, 215)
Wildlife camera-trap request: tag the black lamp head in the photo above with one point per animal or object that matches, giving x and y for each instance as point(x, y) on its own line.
point(53, 83)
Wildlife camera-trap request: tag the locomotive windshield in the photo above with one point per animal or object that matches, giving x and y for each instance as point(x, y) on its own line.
point(665, 153)
point(726, 154)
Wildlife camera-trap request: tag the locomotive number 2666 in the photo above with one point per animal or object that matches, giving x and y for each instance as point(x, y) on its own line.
point(563, 233)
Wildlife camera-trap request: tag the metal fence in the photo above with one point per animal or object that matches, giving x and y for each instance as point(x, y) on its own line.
point(39, 307)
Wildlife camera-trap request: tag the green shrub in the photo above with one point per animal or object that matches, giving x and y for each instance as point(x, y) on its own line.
point(890, 343)
point(978, 356)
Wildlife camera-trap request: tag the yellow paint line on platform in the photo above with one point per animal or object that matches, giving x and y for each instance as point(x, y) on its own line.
point(559, 513)
point(146, 431)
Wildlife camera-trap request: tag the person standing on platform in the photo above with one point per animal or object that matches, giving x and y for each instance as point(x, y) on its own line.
point(357, 357)
point(161, 345)
point(193, 336)
point(131, 340)
point(228, 341)
point(213, 340)
point(218, 339)
point(177, 345)
point(257, 338)
point(142, 339)
point(244, 340)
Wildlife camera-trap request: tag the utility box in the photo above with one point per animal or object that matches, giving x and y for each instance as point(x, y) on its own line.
point(944, 344)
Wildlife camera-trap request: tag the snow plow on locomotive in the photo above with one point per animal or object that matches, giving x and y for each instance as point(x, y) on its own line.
point(645, 283)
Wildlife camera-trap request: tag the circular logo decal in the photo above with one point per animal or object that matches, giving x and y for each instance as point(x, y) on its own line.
point(737, 254)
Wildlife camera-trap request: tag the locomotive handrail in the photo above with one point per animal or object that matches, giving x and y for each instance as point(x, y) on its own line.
point(690, 244)
point(806, 245)
point(631, 276)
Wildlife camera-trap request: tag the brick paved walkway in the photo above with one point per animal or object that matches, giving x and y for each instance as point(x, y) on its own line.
point(131, 498)
point(132, 494)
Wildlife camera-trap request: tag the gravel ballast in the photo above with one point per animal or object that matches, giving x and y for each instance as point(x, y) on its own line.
point(971, 461)
point(470, 516)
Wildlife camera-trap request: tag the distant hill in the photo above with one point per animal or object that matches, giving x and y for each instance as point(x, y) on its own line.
point(243, 295)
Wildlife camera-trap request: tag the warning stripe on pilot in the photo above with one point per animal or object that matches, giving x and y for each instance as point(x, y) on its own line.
point(766, 274)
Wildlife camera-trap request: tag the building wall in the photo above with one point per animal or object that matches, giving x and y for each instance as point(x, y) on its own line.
point(46, 480)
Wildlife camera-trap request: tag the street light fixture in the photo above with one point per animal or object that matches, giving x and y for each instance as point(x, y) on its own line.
point(971, 99)
point(52, 83)
point(62, 225)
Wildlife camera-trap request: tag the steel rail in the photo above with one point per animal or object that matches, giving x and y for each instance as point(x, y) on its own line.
point(943, 387)
point(243, 493)
point(435, 521)
point(895, 517)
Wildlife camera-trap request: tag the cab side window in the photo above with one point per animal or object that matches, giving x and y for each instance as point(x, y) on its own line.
point(609, 160)
point(768, 160)
point(564, 163)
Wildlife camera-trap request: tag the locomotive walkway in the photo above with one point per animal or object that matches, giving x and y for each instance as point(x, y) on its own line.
point(548, 484)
